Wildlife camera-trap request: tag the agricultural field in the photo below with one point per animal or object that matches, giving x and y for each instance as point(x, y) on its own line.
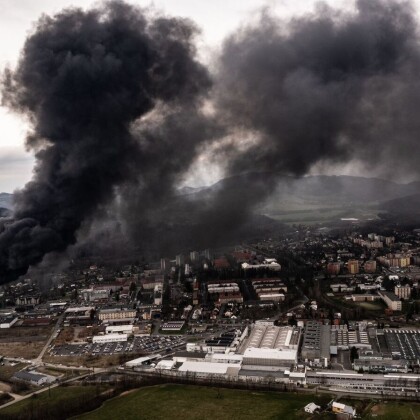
point(27, 342)
point(195, 402)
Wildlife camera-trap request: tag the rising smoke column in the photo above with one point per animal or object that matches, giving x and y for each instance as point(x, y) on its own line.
point(82, 80)
point(327, 87)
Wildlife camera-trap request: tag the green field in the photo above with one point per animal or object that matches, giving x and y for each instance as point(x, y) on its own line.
point(321, 215)
point(194, 402)
point(392, 410)
point(372, 306)
point(55, 403)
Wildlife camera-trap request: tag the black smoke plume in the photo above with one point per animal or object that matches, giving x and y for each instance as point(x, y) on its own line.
point(325, 88)
point(82, 80)
point(115, 100)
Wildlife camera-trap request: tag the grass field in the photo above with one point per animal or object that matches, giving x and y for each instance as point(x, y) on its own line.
point(372, 306)
point(388, 410)
point(322, 215)
point(48, 402)
point(394, 411)
point(7, 371)
point(194, 402)
point(27, 342)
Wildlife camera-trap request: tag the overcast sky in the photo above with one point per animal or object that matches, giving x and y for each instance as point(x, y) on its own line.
point(216, 18)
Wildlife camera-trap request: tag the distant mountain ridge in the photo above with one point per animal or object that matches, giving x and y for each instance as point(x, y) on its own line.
point(6, 201)
point(408, 206)
point(292, 193)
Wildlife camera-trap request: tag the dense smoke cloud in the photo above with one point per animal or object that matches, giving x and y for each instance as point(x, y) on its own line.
point(120, 108)
point(83, 78)
point(325, 87)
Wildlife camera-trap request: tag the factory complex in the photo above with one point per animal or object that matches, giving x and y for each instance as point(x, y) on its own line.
point(300, 355)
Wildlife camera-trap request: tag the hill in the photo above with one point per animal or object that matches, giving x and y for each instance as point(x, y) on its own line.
point(6, 201)
point(310, 192)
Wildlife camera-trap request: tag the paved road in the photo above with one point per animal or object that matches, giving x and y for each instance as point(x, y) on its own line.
point(38, 360)
point(40, 391)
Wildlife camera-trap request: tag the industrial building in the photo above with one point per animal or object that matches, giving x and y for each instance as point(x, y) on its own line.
point(269, 357)
point(366, 382)
point(269, 337)
point(116, 313)
point(316, 342)
point(119, 329)
point(34, 378)
point(8, 321)
point(381, 366)
point(210, 369)
point(142, 361)
point(172, 326)
point(269, 345)
point(344, 338)
point(399, 343)
point(109, 338)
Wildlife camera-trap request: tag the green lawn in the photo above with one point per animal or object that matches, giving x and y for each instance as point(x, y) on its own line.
point(194, 402)
point(372, 306)
point(394, 411)
point(49, 404)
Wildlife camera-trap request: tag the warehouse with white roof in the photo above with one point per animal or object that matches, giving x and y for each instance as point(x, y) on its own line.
point(269, 357)
point(207, 369)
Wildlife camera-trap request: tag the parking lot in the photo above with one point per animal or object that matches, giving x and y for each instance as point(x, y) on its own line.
point(152, 344)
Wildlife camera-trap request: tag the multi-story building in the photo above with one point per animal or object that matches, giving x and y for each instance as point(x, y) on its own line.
point(403, 292)
point(353, 266)
point(108, 314)
point(179, 260)
point(334, 268)
point(370, 266)
point(391, 300)
point(389, 240)
point(27, 300)
point(194, 256)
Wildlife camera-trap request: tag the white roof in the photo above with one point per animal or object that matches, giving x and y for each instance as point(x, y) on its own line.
point(166, 364)
point(312, 407)
point(121, 337)
point(207, 367)
point(229, 358)
point(79, 309)
point(119, 327)
point(297, 374)
point(278, 354)
point(140, 360)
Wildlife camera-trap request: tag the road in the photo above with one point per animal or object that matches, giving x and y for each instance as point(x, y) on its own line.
point(40, 391)
point(38, 360)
